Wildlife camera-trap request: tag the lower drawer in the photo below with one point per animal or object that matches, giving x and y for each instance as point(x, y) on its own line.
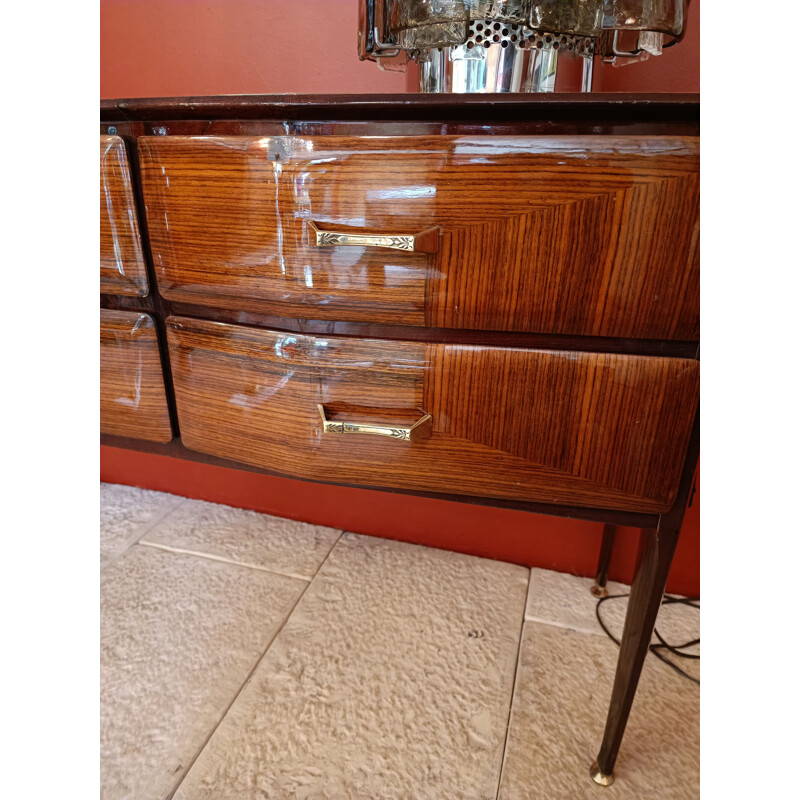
point(132, 397)
point(588, 429)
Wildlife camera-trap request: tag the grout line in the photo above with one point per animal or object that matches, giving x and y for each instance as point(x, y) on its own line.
point(597, 631)
point(250, 674)
point(327, 555)
point(212, 557)
point(141, 531)
point(513, 690)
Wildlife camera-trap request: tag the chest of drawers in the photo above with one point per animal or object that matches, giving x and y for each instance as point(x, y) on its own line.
point(492, 300)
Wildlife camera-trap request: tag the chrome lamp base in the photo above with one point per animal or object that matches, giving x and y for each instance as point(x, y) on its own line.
point(501, 57)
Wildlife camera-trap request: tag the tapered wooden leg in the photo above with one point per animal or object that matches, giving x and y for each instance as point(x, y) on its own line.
point(650, 579)
point(656, 549)
point(606, 549)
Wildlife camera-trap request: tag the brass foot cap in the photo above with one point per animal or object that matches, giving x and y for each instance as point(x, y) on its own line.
point(599, 778)
point(599, 591)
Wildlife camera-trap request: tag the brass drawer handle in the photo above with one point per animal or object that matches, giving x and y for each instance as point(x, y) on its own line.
point(421, 429)
point(426, 241)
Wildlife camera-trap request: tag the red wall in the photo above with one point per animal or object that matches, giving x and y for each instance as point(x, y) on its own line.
point(167, 48)
point(164, 48)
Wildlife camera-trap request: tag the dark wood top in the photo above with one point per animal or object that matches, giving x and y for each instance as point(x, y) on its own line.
point(591, 107)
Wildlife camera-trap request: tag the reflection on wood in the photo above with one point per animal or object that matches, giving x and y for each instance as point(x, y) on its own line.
point(132, 397)
point(583, 235)
point(591, 429)
point(122, 269)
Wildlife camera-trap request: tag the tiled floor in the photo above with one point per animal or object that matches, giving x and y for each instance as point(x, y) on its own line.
point(246, 657)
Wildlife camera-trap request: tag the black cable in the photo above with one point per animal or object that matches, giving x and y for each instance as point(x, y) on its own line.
point(675, 649)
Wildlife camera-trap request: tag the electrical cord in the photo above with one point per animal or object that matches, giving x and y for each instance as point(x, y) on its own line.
point(655, 649)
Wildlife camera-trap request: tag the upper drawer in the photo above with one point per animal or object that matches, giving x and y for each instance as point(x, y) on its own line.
point(122, 269)
point(586, 429)
point(587, 235)
point(132, 397)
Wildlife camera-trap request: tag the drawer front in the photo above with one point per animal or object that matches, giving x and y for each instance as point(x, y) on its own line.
point(122, 269)
point(132, 397)
point(584, 235)
point(588, 429)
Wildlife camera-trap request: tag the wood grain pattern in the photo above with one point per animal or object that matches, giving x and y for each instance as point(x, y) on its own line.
point(581, 235)
point(586, 429)
point(122, 268)
point(132, 397)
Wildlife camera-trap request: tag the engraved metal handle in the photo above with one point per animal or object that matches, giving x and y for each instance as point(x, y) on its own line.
point(426, 241)
point(421, 429)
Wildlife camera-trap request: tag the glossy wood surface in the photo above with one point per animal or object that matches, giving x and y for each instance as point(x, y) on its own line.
point(586, 429)
point(132, 397)
point(580, 235)
point(122, 268)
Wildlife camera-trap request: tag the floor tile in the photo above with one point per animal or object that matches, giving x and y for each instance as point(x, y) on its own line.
point(126, 513)
point(391, 679)
point(246, 537)
point(564, 600)
point(179, 635)
point(562, 693)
